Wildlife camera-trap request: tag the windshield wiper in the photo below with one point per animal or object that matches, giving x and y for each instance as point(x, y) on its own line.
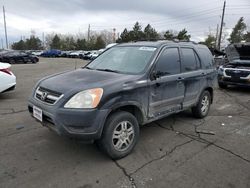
point(108, 70)
point(88, 68)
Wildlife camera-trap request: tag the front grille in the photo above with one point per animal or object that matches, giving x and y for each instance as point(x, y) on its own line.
point(236, 80)
point(237, 73)
point(47, 96)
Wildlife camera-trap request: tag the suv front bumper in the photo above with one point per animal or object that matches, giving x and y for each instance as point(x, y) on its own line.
point(85, 124)
point(233, 81)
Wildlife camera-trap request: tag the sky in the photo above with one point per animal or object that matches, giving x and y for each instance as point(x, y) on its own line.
point(199, 17)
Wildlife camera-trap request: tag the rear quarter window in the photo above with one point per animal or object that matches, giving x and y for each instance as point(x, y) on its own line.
point(206, 58)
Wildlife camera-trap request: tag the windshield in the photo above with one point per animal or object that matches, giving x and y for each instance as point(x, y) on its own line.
point(128, 59)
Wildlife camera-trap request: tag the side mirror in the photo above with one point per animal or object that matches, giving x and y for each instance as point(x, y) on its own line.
point(155, 75)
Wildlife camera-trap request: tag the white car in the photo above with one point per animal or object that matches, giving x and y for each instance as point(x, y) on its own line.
point(37, 53)
point(93, 54)
point(75, 54)
point(8, 79)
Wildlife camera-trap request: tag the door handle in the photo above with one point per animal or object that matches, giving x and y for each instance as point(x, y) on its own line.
point(203, 73)
point(180, 79)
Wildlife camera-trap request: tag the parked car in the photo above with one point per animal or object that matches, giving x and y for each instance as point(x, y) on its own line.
point(18, 57)
point(8, 79)
point(51, 53)
point(37, 52)
point(126, 86)
point(65, 53)
point(76, 54)
point(237, 70)
point(94, 54)
point(86, 55)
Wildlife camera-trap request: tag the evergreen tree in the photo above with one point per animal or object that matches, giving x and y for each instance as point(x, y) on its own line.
point(150, 33)
point(68, 43)
point(210, 41)
point(20, 45)
point(182, 35)
point(237, 34)
point(169, 35)
point(33, 43)
point(124, 37)
point(137, 33)
point(56, 42)
point(247, 37)
point(81, 44)
point(91, 43)
point(99, 43)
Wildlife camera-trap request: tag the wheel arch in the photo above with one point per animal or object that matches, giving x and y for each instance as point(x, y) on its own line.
point(131, 107)
point(211, 91)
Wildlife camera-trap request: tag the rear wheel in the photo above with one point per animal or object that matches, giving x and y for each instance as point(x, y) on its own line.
point(202, 108)
point(120, 135)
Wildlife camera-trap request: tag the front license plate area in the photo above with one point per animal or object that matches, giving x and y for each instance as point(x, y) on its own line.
point(38, 113)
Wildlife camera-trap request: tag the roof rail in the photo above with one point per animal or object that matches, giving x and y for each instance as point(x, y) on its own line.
point(173, 40)
point(177, 40)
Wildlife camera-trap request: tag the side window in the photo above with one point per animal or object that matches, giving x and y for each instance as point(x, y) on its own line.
point(189, 61)
point(198, 62)
point(168, 62)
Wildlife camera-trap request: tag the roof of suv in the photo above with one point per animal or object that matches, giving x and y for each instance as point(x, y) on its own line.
point(158, 43)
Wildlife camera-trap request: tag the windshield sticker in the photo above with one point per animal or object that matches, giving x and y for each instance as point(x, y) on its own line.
point(151, 49)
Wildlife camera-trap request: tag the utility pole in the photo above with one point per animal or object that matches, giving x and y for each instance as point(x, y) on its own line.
point(88, 32)
point(5, 28)
point(43, 41)
point(2, 42)
point(216, 37)
point(221, 25)
point(114, 34)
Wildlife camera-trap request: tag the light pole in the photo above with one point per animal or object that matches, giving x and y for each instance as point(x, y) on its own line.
point(5, 29)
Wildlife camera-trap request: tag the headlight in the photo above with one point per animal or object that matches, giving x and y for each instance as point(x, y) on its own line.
point(85, 99)
point(220, 70)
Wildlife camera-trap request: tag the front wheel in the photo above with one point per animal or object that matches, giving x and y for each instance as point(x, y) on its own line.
point(120, 135)
point(202, 108)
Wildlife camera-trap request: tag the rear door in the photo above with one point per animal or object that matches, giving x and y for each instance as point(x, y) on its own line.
point(192, 73)
point(166, 86)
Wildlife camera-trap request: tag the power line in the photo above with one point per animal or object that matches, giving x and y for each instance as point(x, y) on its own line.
point(190, 8)
point(183, 17)
point(176, 23)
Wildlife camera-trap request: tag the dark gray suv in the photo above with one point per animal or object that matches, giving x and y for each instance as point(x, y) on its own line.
point(128, 85)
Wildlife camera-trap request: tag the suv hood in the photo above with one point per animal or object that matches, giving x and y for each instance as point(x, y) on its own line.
point(239, 51)
point(81, 79)
point(239, 64)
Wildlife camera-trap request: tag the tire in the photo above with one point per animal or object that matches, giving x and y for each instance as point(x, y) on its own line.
point(33, 61)
point(222, 86)
point(120, 135)
point(25, 62)
point(12, 61)
point(202, 108)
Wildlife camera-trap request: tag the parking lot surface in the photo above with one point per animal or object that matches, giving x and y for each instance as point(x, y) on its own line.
point(178, 151)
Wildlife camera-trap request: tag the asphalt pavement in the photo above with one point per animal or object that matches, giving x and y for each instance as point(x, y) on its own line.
point(178, 151)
